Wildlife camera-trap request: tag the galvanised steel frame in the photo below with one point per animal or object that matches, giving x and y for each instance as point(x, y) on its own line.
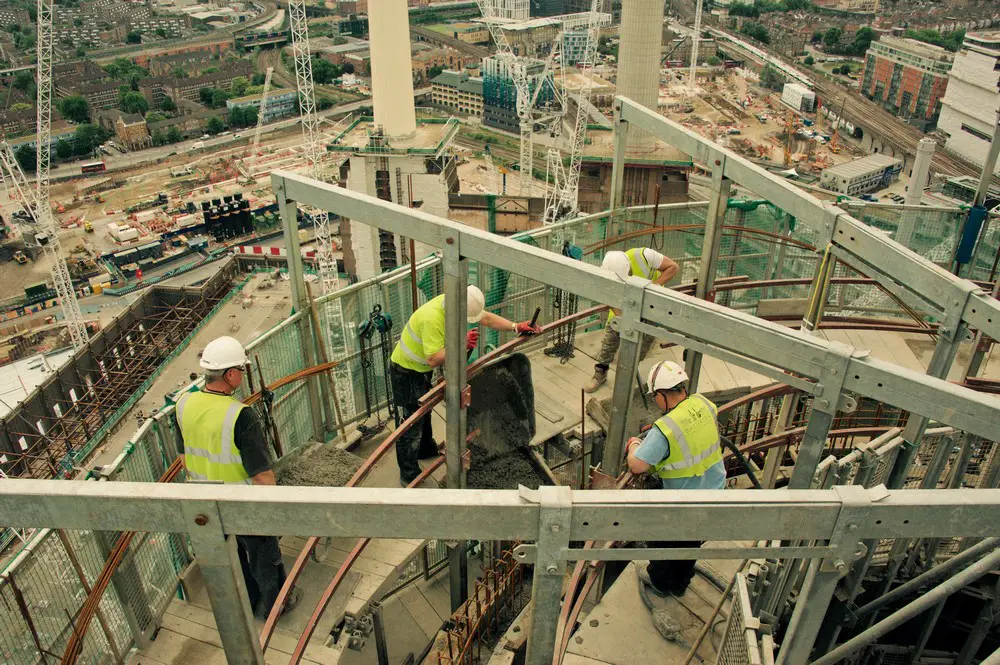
point(839, 519)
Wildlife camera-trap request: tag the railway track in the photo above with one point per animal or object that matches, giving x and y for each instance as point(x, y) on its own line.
point(444, 40)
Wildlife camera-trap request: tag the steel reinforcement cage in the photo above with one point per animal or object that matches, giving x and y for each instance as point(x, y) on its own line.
point(760, 243)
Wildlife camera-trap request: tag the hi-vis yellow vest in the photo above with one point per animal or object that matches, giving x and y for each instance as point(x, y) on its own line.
point(693, 433)
point(427, 321)
point(639, 267)
point(208, 426)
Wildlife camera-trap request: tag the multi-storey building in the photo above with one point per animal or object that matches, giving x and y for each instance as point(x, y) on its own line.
point(15, 123)
point(907, 77)
point(446, 58)
point(131, 131)
point(470, 33)
point(867, 174)
point(192, 63)
point(458, 91)
point(515, 10)
point(547, 7)
point(500, 93)
point(156, 88)
point(280, 103)
point(968, 111)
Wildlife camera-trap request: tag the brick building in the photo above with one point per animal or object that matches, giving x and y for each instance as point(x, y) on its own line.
point(103, 95)
point(193, 63)
point(281, 102)
point(189, 125)
point(15, 123)
point(907, 77)
point(154, 89)
point(446, 58)
point(219, 47)
point(131, 131)
point(458, 91)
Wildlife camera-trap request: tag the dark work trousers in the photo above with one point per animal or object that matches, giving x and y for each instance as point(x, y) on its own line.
point(263, 571)
point(417, 442)
point(672, 576)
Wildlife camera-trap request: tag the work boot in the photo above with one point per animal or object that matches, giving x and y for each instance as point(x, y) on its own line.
point(599, 379)
point(644, 579)
point(293, 599)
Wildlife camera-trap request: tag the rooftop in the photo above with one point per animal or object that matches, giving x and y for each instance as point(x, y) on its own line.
point(915, 47)
point(460, 80)
point(274, 93)
point(862, 165)
point(431, 138)
point(602, 149)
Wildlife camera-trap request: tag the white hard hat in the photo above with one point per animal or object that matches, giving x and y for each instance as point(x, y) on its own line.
point(476, 304)
point(616, 262)
point(223, 353)
point(665, 376)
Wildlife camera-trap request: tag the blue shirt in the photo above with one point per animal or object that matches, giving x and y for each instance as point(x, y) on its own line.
point(655, 448)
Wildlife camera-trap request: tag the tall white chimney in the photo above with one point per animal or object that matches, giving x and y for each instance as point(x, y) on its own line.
point(639, 51)
point(392, 73)
point(921, 171)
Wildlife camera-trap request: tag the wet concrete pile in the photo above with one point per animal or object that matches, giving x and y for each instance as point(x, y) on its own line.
point(323, 466)
point(503, 409)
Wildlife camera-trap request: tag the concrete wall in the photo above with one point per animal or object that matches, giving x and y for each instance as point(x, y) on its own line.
point(639, 57)
point(972, 99)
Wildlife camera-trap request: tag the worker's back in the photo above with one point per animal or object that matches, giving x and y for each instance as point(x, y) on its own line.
point(692, 430)
point(208, 426)
point(422, 336)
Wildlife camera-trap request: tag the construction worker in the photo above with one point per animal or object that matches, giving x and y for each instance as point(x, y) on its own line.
point(638, 262)
point(683, 450)
point(420, 349)
point(224, 442)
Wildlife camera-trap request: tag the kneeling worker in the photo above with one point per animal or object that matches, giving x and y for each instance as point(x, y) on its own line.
point(420, 349)
point(224, 442)
point(683, 450)
point(637, 262)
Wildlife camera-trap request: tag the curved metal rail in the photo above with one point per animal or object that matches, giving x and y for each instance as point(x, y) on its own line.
point(427, 403)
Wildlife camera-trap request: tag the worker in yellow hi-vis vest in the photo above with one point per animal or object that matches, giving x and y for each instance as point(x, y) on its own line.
point(682, 449)
point(420, 349)
point(224, 443)
point(637, 262)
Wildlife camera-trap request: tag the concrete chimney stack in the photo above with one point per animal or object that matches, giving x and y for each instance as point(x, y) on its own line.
point(392, 74)
point(639, 51)
point(921, 171)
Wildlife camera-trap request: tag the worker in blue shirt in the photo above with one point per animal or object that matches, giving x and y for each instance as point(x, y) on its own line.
point(682, 449)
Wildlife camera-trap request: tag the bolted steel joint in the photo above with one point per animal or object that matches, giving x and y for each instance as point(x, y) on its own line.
point(201, 520)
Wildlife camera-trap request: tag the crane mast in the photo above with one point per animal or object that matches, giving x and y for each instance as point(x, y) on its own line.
point(329, 278)
point(518, 74)
point(61, 278)
point(566, 196)
point(248, 165)
point(695, 39)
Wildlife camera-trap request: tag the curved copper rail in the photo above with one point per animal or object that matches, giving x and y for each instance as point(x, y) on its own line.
point(602, 244)
point(338, 577)
point(427, 402)
point(90, 606)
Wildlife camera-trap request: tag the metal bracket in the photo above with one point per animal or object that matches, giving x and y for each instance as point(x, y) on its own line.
point(829, 389)
point(625, 325)
point(554, 520)
point(466, 396)
point(856, 503)
point(831, 214)
point(954, 313)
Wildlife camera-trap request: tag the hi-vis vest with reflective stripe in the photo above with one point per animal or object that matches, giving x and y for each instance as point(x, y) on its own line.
point(409, 351)
point(693, 434)
point(208, 426)
point(639, 268)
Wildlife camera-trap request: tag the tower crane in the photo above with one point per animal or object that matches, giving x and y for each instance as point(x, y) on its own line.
point(246, 166)
point(518, 73)
point(43, 209)
point(695, 38)
point(565, 201)
point(328, 276)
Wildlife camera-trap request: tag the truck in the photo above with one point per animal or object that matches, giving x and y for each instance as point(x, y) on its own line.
point(20, 257)
point(197, 145)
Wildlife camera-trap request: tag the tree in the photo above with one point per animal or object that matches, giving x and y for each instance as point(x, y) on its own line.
point(258, 79)
point(743, 9)
point(161, 33)
point(78, 22)
point(205, 95)
point(239, 86)
point(75, 109)
point(179, 72)
point(86, 138)
point(243, 116)
point(123, 69)
point(26, 157)
point(155, 117)
point(219, 98)
point(832, 37)
point(133, 38)
point(756, 31)
point(133, 102)
point(863, 38)
point(434, 71)
point(63, 149)
point(809, 60)
point(214, 125)
point(20, 106)
point(714, 61)
point(25, 82)
point(159, 138)
point(323, 103)
point(348, 68)
point(174, 135)
point(817, 37)
point(325, 71)
point(168, 105)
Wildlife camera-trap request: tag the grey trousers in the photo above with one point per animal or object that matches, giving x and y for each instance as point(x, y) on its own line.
point(609, 348)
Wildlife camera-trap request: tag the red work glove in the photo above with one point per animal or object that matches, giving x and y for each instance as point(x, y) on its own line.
point(471, 339)
point(525, 328)
point(634, 441)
